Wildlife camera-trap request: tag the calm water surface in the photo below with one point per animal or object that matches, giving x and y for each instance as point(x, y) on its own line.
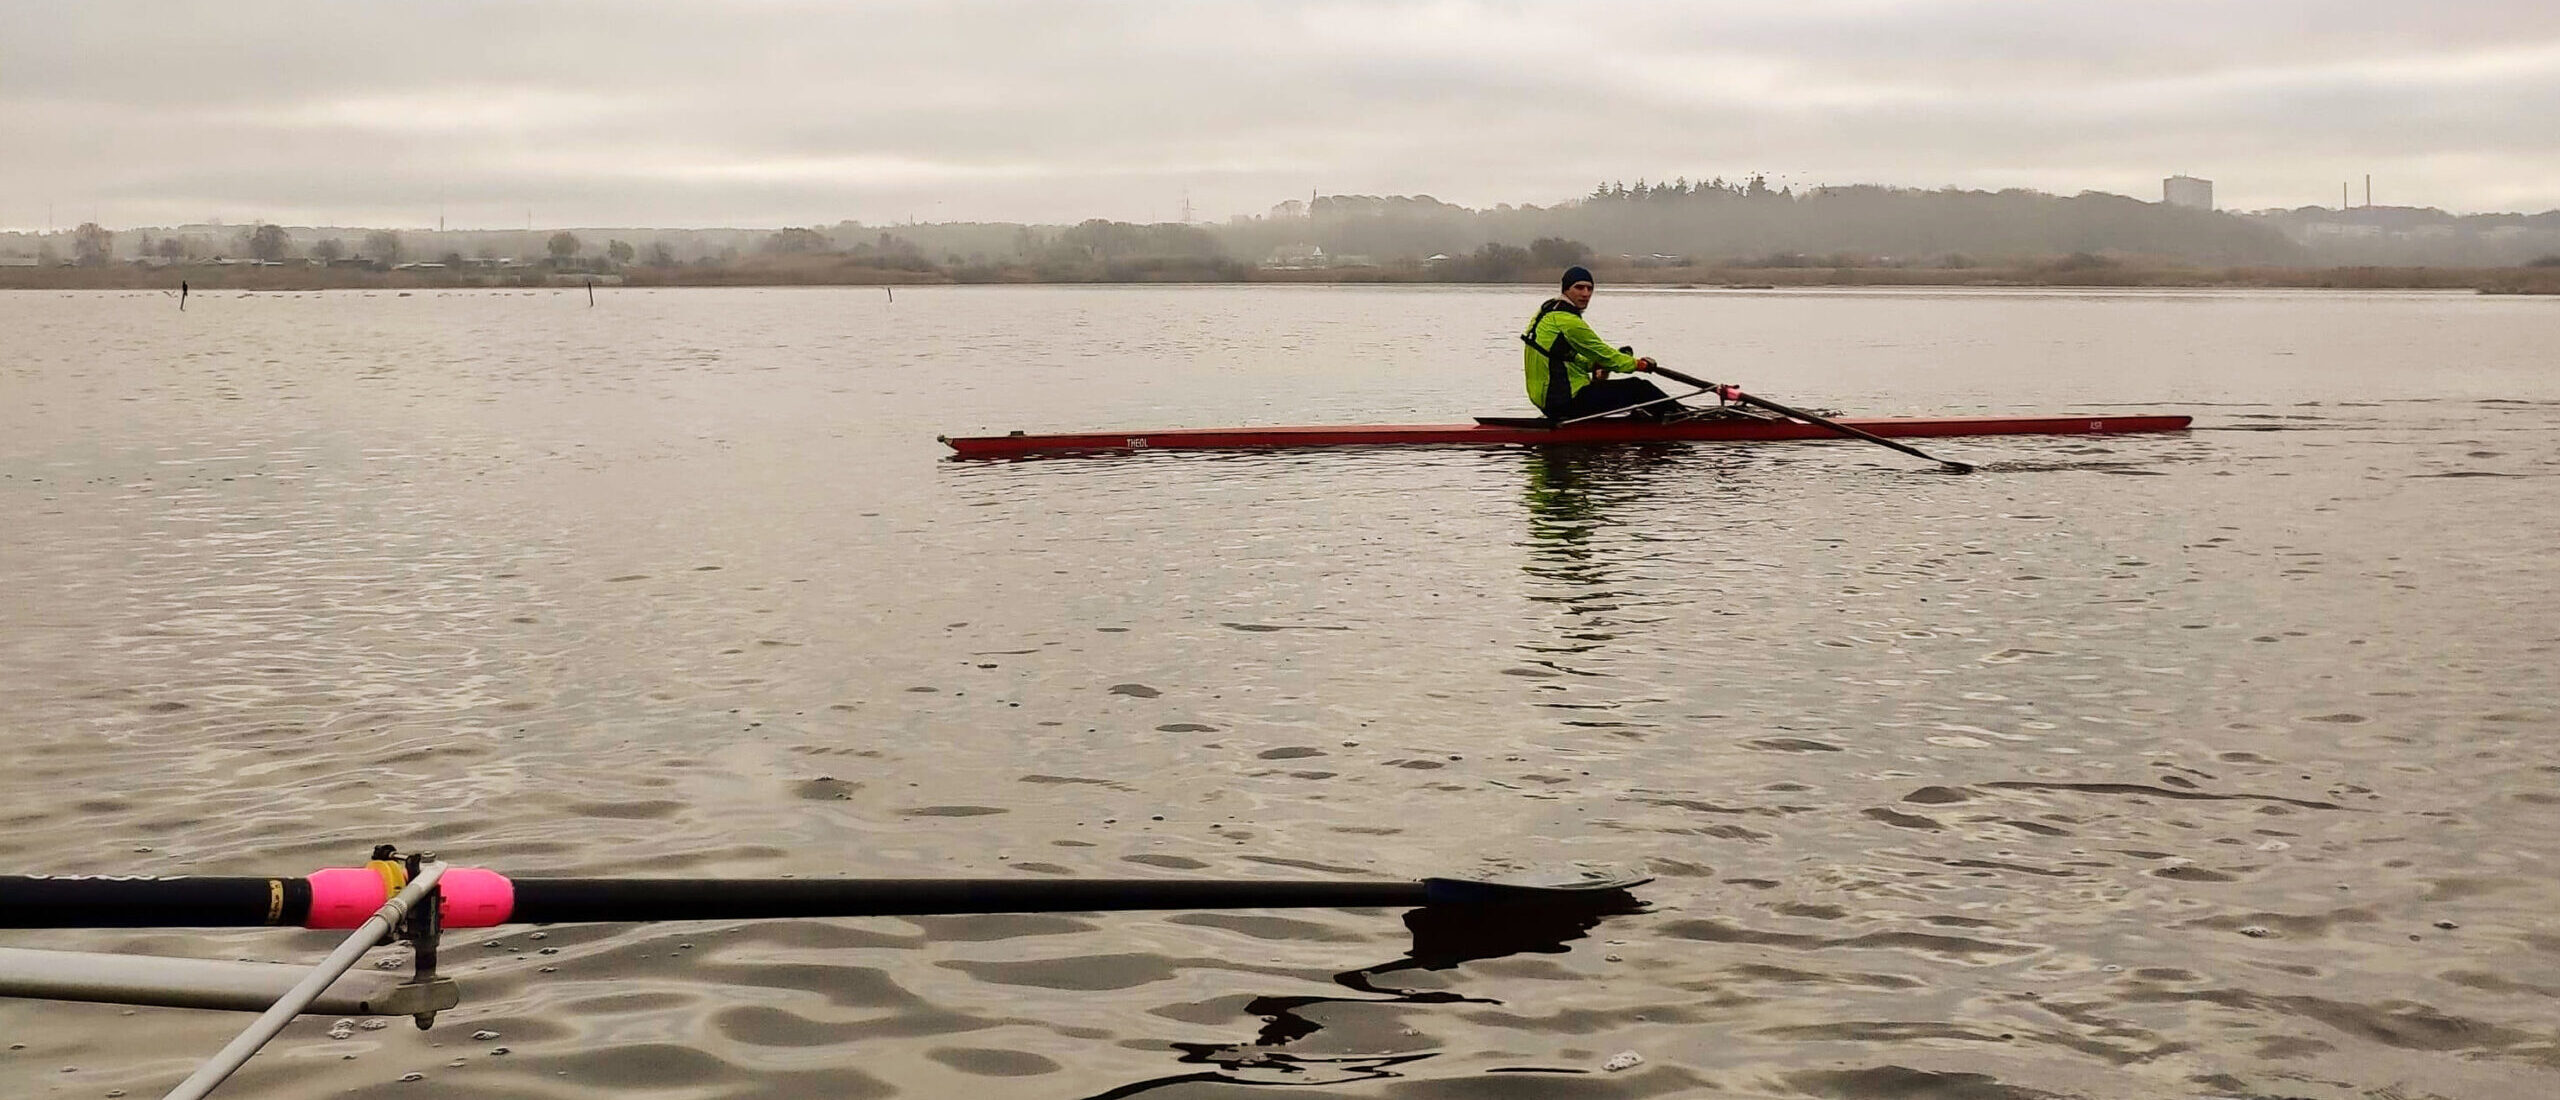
point(2215, 764)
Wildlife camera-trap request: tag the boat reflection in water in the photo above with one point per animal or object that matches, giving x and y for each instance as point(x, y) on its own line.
point(1444, 938)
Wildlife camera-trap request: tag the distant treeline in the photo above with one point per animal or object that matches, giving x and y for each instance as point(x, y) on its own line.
point(1678, 230)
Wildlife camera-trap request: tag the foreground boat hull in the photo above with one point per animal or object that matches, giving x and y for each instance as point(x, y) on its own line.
point(1520, 433)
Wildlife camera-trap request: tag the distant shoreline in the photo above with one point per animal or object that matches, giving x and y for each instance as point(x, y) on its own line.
point(2485, 280)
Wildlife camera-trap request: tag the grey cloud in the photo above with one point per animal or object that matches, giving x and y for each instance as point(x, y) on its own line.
point(767, 113)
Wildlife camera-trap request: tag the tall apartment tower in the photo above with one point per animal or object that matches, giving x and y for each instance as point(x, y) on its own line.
point(2187, 191)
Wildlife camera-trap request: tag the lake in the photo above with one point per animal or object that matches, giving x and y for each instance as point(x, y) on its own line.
point(2218, 763)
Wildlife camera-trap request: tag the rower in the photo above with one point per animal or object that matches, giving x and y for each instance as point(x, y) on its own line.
point(1569, 365)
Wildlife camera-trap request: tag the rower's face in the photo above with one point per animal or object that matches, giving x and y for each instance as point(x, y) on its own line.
point(1579, 294)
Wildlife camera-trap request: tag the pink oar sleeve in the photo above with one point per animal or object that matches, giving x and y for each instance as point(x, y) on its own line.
point(344, 897)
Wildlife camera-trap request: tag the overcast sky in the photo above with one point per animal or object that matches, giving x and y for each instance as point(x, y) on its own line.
point(762, 114)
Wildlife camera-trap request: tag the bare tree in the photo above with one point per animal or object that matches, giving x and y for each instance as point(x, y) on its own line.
point(564, 247)
point(382, 246)
point(329, 251)
point(620, 252)
point(270, 242)
point(92, 246)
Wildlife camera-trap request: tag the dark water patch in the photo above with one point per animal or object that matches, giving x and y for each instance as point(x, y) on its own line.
point(2284, 1048)
point(2289, 924)
point(1272, 628)
point(953, 811)
point(1881, 1031)
point(1171, 863)
point(2189, 872)
point(1696, 806)
point(1269, 928)
point(1961, 948)
point(2466, 473)
point(988, 1062)
point(1811, 909)
point(1901, 820)
point(2027, 466)
point(639, 1066)
point(1939, 796)
point(1306, 865)
point(2405, 1024)
point(2001, 865)
point(824, 788)
point(628, 811)
point(2038, 828)
point(1186, 727)
point(619, 1004)
point(626, 578)
point(988, 927)
point(2457, 887)
point(2161, 792)
point(1894, 1082)
point(2342, 718)
point(2498, 983)
point(766, 1026)
point(1289, 752)
point(775, 1027)
point(1789, 976)
point(1085, 973)
point(1135, 691)
point(1791, 744)
point(1047, 780)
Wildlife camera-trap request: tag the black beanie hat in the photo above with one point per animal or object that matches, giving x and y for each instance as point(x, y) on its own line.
point(1576, 274)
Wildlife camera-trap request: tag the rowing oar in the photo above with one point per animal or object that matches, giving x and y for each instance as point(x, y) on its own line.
point(1731, 393)
point(477, 898)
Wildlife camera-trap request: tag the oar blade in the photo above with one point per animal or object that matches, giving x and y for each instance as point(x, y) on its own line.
point(1594, 891)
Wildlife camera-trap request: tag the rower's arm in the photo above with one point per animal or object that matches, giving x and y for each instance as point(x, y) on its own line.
point(1590, 348)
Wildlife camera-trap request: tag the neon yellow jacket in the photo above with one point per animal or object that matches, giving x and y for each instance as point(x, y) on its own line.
point(1560, 338)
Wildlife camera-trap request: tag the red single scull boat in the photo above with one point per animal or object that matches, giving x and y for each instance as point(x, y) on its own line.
point(1522, 431)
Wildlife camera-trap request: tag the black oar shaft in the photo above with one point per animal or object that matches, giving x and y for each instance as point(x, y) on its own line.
point(39, 901)
point(484, 898)
point(1809, 418)
point(542, 901)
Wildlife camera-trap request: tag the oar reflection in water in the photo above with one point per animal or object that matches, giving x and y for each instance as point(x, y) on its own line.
point(1444, 938)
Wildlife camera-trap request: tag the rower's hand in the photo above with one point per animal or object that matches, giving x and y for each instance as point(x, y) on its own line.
point(1643, 365)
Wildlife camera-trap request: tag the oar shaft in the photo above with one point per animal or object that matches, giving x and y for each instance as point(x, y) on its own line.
point(541, 901)
point(41, 901)
point(1809, 418)
point(214, 902)
point(474, 897)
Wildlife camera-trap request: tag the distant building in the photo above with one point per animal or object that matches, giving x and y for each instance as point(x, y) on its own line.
point(2187, 191)
point(1296, 257)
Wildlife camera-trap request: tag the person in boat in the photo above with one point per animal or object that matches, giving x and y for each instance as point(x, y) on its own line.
point(1569, 365)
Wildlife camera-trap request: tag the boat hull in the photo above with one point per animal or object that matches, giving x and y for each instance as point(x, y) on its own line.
point(1516, 433)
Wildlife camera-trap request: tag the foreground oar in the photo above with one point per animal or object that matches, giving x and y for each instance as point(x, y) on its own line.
point(1730, 393)
point(478, 898)
point(413, 899)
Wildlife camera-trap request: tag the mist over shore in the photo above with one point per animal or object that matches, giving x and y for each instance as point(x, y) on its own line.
point(1711, 232)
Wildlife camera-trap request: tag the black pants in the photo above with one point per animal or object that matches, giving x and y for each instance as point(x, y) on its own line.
point(1612, 395)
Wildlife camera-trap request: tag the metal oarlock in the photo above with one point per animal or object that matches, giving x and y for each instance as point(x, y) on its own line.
point(392, 919)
